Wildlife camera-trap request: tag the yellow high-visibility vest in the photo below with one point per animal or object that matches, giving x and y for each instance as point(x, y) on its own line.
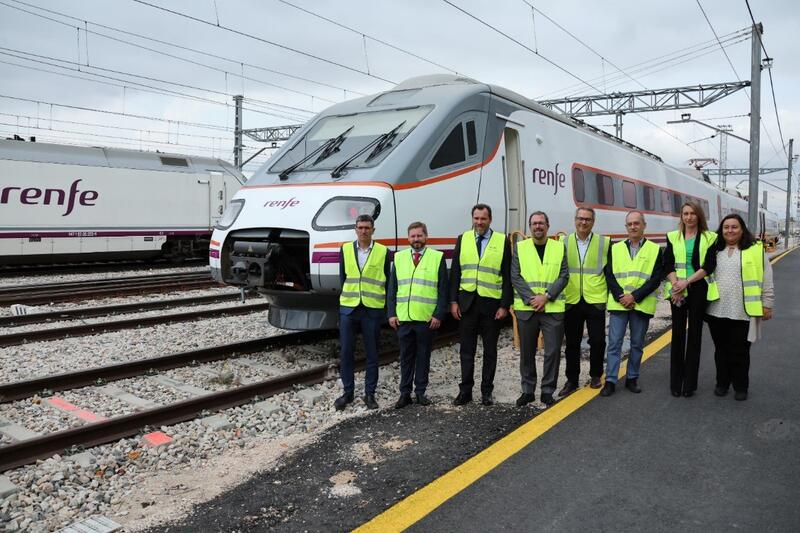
point(633, 273)
point(587, 279)
point(707, 240)
point(482, 274)
point(540, 275)
point(753, 279)
point(367, 286)
point(417, 285)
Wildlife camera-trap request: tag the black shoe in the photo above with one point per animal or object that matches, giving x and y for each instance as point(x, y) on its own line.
point(486, 399)
point(608, 389)
point(422, 399)
point(595, 383)
point(462, 399)
point(569, 388)
point(676, 393)
point(688, 393)
point(548, 399)
point(342, 401)
point(369, 400)
point(525, 398)
point(720, 391)
point(740, 396)
point(403, 401)
point(632, 384)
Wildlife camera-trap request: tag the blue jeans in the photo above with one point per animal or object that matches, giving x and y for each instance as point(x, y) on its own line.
point(617, 324)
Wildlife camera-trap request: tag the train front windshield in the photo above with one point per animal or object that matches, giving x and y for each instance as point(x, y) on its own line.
point(357, 140)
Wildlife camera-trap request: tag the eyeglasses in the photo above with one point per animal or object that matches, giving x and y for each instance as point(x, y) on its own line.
point(584, 219)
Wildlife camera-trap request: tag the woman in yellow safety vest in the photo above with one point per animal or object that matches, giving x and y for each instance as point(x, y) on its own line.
point(746, 296)
point(690, 285)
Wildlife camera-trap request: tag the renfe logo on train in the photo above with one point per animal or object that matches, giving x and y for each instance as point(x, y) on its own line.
point(36, 196)
point(550, 178)
point(282, 204)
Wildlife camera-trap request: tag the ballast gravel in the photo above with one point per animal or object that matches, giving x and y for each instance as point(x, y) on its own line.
point(12, 281)
point(142, 486)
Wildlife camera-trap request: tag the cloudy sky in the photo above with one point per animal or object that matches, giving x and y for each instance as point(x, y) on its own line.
point(152, 74)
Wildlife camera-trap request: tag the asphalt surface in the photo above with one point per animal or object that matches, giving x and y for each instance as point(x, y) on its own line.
point(386, 456)
point(651, 462)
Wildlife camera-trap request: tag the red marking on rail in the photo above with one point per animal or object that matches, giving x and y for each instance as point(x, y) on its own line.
point(156, 438)
point(63, 405)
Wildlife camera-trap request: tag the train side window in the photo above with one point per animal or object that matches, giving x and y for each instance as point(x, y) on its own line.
point(677, 201)
point(666, 203)
point(629, 194)
point(452, 149)
point(472, 140)
point(605, 189)
point(578, 185)
point(649, 198)
point(705, 208)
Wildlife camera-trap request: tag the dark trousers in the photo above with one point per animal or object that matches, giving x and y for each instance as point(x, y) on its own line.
point(595, 320)
point(415, 339)
point(349, 327)
point(685, 350)
point(478, 320)
point(731, 352)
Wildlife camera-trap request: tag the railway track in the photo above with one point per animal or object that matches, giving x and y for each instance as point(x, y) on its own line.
point(38, 294)
point(93, 268)
point(22, 337)
point(109, 430)
point(110, 310)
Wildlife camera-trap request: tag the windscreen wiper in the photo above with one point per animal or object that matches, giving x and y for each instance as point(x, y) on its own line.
point(379, 144)
point(330, 146)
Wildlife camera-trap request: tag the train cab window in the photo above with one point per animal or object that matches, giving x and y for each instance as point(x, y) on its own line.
point(649, 195)
point(629, 194)
point(452, 149)
point(578, 185)
point(677, 201)
point(605, 189)
point(472, 140)
point(666, 202)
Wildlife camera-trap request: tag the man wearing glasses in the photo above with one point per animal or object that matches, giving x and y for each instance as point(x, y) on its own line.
point(586, 294)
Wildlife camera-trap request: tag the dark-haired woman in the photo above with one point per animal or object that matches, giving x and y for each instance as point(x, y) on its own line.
point(746, 296)
point(689, 267)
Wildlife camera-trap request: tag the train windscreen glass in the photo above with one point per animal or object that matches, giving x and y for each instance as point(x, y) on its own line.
point(366, 128)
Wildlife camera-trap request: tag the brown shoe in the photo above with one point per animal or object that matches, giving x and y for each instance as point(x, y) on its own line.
point(569, 388)
point(595, 383)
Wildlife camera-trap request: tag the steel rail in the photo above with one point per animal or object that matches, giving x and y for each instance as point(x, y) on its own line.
point(108, 310)
point(43, 298)
point(113, 429)
point(23, 337)
point(87, 283)
point(90, 268)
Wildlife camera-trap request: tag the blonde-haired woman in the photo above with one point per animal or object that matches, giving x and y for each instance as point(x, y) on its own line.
point(689, 262)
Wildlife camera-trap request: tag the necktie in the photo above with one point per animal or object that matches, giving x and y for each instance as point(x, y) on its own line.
point(478, 243)
point(416, 258)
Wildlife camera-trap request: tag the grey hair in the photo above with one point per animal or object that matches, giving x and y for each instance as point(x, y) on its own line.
point(629, 213)
point(590, 209)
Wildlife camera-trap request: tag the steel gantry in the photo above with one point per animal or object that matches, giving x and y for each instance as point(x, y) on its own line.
point(644, 101)
point(273, 134)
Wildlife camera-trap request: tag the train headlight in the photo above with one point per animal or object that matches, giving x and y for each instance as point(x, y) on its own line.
point(341, 212)
point(231, 212)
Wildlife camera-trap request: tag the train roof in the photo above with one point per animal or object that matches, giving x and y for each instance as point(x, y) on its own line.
point(95, 156)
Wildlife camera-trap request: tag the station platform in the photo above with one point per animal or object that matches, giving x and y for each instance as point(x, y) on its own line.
point(641, 462)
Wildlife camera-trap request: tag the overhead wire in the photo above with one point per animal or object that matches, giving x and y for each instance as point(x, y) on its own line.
point(266, 41)
point(237, 62)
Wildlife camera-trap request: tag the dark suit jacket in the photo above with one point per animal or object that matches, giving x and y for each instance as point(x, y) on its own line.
point(466, 299)
point(441, 293)
point(342, 276)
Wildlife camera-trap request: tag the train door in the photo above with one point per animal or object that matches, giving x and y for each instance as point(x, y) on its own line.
point(514, 182)
point(218, 197)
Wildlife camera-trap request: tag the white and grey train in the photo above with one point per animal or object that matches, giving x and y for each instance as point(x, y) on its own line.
point(67, 203)
point(429, 149)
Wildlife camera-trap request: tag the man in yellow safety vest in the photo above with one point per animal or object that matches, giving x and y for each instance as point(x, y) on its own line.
point(363, 271)
point(416, 304)
point(480, 295)
point(633, 274)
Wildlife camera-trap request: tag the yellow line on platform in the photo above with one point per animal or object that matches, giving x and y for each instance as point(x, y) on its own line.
point(416, 506)
point(784, 254)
